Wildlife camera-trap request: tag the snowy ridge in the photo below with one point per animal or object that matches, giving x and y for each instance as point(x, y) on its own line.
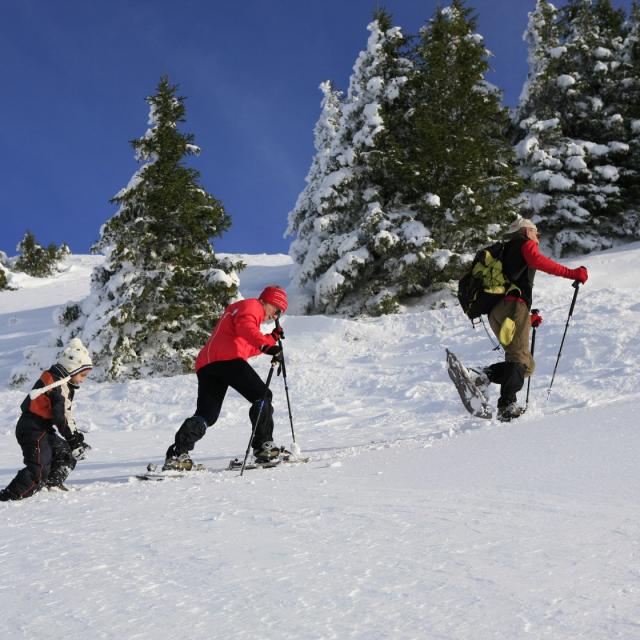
point(412, 520)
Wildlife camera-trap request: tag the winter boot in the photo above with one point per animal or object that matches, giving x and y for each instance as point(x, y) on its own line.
point(56, 487)
point(175, 461)
point(5, 496)
point(266, 451)
point(509, 412)
point(481, 380)
point(56, 478)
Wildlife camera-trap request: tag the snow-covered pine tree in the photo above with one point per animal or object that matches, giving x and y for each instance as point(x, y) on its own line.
point(306, 219)
point(542, 38)
point(4, 272)
point(454, 158)
point(161, 287)
point(36, 260)
point(570, 127)
point(357, 241)
point(630, 98)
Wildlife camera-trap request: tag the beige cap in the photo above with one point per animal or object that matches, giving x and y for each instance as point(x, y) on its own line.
point(75, 358)
point(521, 223)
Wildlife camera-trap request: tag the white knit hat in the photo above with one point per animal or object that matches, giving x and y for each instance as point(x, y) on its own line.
point(521, 223)
point(75, 358)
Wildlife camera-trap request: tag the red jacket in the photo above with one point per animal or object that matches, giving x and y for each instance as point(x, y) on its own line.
point(535, 260)
point(236, 335)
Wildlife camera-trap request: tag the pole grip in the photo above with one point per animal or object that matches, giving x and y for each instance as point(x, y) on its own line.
point(35, 393)
point(576, 286)
point(281, 368)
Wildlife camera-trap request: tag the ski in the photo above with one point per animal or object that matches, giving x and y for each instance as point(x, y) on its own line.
point(236, 463)
point(473, 399)
point(153, 474)
point(285, 458)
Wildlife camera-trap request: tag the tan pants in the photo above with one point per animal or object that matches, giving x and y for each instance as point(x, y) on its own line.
point(510, 322)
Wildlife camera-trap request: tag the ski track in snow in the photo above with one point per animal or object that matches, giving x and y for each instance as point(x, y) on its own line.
point(412, 520)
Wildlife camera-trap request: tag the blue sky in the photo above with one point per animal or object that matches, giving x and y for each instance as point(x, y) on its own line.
point(76, 72)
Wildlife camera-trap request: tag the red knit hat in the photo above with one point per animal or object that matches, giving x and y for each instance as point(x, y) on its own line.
point(276, 296)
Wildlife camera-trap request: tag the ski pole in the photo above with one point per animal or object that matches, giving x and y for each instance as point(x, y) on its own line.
point(35, 393)
point(533, 346)
point(576, 286)
point(274, 362)
point(286, 384)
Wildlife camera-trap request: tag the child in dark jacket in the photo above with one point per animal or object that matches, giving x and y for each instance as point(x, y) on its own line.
point(49, 458)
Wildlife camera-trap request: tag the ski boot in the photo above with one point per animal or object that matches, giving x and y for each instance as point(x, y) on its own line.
point(266, 452)
point(509, 412)
point(55, 486)
point(177, 462)
point(481, 380)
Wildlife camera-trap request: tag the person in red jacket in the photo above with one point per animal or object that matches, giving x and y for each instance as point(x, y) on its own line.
point(222, 363)
point(510, 318)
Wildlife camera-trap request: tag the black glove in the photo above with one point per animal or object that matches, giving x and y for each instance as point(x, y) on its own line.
point(275, 351)
point(78, 446)
point(277, 334)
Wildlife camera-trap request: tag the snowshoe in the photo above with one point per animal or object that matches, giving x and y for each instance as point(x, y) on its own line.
point(474, 400)
point(481, 380)
point(236, 463)
point(153, 473)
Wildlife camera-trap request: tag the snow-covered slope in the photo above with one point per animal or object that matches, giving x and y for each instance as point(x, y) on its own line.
point(412, 520)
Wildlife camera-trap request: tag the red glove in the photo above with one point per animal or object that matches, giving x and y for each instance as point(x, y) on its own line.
point(277, 334)
point(580, 274)
point(536, 319)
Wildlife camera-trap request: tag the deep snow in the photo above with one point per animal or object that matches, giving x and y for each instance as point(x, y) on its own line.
point(412, 520)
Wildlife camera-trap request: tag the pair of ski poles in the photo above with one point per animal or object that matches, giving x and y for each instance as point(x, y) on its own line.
point(576, 286)
point(282, 368)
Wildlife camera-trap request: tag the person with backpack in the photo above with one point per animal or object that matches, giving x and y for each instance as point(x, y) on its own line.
point(510, 318)
point(222, 363)
point(48, 457)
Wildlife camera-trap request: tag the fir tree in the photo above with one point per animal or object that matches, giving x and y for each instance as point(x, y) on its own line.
point(630, 97)
point(4, 282)
point(161, 287)
point(38, 261)
point(4, 277)
point(452, 156)
point(422, 170)
point(306, 220)
point(571, 132)
point(351, 267)
point(542, 38)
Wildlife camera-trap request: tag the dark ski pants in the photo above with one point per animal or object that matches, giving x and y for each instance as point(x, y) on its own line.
point(213, 381)
point(519, 363)
point(47, 457)
point(510, 377)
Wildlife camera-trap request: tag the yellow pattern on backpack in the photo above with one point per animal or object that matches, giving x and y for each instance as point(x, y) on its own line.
point(489, 270)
